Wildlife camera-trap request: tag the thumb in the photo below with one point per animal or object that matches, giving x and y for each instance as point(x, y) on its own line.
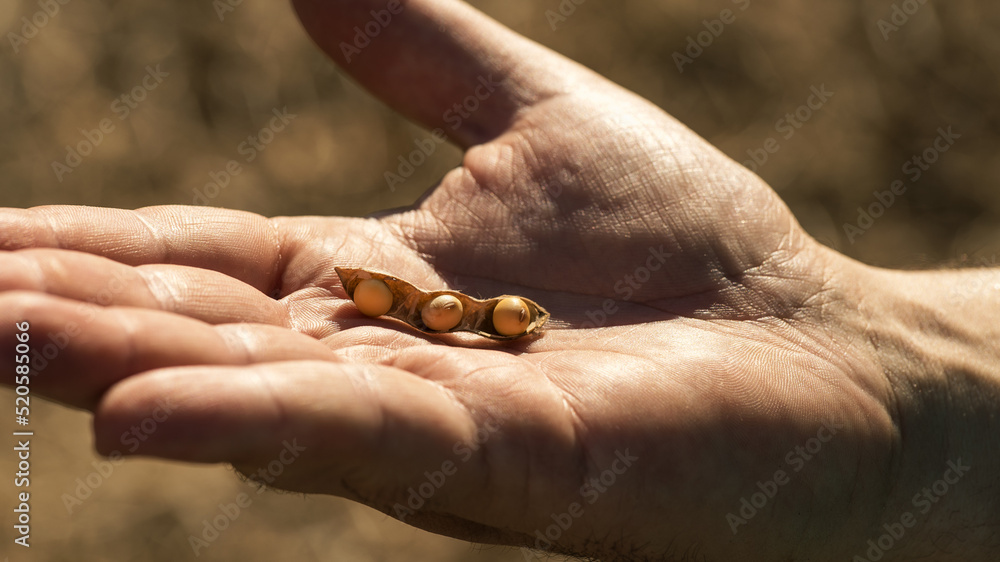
point(440, 62)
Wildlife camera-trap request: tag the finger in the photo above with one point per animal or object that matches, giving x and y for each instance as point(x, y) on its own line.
point(78, 350)
point(355, 430)
point(237, 408)
point(440, 62)
point(242, 245)
point(202, 294)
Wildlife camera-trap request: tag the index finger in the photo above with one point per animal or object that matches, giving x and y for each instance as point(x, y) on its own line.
point(242, 245)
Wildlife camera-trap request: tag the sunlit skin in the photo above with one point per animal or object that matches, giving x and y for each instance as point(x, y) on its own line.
point(744, 341)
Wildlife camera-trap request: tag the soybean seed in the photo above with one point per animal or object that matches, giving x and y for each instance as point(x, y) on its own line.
point(373, 297)
point(443, 313)
point(511, 317)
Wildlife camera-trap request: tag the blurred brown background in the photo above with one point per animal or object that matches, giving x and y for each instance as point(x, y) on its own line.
point(221, 78)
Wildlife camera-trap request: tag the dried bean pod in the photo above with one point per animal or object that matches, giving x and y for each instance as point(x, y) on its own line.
point(408, 303)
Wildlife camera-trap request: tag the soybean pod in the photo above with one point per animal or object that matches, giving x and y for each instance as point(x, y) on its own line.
point(506, 317)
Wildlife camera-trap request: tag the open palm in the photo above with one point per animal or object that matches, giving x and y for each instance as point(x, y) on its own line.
point(687, 358)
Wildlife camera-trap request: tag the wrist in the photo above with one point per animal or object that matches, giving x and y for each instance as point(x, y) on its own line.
point(936, 336)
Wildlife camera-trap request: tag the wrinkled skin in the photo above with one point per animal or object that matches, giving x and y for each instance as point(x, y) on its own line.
point(697, 331)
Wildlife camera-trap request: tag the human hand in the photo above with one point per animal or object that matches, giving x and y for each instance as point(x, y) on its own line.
point(699, 333)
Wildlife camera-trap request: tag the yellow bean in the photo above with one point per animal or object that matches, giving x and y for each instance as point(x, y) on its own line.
point(373, 297)
point(443, 313)
point(511, 317)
